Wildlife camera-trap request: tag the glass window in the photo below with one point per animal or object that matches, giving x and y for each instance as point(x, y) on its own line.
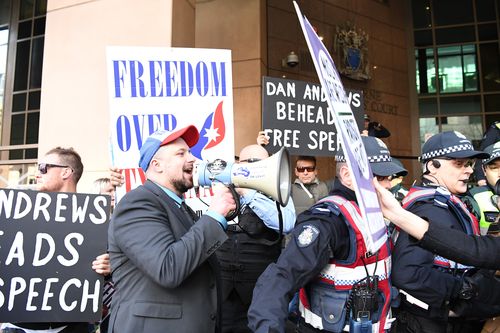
point(450, 74)
point(19, 102)
point(40, 7)
point(4, 43)
point(428, 127)
point(36, 63)
point(426, 71)
point(460, 104)
point(22, 66)
point(26, 9)
point(24, 30)
point(470, 126)
point(485, 10)
point(487, 32)
point(448, 12)
point(492, 103)
point(490, 66)
point(457, 69)
point(421, 13)
point(470, 73)
point(427, 107)
point(16, 154)
point(5, 11)
point(17, 129)
point(32, 127)
point(39, 28)
point(455, 35)
point(34, 100)
point(423, 37)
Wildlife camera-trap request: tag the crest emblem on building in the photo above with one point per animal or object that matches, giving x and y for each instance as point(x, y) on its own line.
point(351, 45)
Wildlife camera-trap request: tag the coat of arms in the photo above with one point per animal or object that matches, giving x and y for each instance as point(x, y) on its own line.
point(352, 46)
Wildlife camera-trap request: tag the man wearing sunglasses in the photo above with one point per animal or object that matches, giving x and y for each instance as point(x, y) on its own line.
point(59, 171)
point(307, 189)
point(327, 259)
point(436, 294)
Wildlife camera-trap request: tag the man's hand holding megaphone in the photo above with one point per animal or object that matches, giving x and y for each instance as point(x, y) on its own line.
point(223, 201)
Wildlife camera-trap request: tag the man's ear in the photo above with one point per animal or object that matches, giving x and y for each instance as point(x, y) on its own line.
point(345, 175)
point(67, 173)
point(154, 164)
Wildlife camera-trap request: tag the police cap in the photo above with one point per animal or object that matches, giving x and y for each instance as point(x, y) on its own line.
point(494, 151)
point(379, 158)
point(451, 144)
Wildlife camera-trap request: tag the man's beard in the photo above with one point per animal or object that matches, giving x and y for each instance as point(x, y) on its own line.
point(182, 185)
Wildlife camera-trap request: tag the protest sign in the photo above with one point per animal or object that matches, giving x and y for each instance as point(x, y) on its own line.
point(47, 244)
point(374, 231)
point(295, 115)
point(154, 88)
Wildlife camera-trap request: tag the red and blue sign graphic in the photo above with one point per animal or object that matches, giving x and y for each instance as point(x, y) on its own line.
point(212, 133)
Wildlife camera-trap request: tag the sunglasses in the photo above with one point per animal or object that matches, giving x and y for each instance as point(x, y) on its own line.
point(382, 178)
point(309, 169)
point(460, 163)
point(250, 160)
point(44, 167)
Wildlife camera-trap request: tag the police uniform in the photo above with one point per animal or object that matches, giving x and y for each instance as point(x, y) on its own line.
point(481, 197)
point(491, 136)
point(433, 285)
point(251, 246)
point(326, 259)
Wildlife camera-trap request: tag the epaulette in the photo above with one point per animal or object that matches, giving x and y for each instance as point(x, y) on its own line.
point(325, 208)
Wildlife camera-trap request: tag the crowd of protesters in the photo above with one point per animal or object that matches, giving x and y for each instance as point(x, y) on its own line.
point(169, 270)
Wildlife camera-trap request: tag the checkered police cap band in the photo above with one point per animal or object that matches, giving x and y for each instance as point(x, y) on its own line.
point(379, 158)
point(340, 158)
point(371, 159)
point(446, 151)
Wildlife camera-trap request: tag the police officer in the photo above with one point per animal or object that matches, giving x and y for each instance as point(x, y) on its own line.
point(327, 256)
point(484, 201)
point(252, 244)
point(433, 286)
point(491, 136)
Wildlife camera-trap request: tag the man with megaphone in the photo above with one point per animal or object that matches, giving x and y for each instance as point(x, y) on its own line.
point(254, 242)
point(164, 267)
point(340, 282)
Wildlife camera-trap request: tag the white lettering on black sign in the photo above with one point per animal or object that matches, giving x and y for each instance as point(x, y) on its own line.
point(47, 244)
point(296, 115)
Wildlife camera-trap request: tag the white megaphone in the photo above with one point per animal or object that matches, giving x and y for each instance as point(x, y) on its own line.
point(270, 176)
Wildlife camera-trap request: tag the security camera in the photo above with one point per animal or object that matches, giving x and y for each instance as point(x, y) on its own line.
point(291, 59)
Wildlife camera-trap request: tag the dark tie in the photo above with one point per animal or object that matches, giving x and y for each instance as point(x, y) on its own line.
point(189, 212)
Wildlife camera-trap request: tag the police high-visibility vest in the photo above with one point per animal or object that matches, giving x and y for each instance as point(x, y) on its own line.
point(324, 305)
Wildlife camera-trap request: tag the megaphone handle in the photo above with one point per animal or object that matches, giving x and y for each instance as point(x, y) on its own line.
point(232, 214)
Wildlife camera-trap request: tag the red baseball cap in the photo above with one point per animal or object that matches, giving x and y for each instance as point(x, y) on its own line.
point(160, 138)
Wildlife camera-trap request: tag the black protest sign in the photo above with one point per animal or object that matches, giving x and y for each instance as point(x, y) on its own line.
point(47, 244)
point(295, 115)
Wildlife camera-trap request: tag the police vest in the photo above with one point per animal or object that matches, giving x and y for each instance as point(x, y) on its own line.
point(488, 212)
point(246, 254)
point(444, 199)
point(326, 301)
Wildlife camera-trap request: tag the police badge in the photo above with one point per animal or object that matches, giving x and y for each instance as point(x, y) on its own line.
point(308, 235)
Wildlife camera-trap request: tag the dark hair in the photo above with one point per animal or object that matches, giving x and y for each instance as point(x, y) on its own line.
point(307, 158)
point(69, 157)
